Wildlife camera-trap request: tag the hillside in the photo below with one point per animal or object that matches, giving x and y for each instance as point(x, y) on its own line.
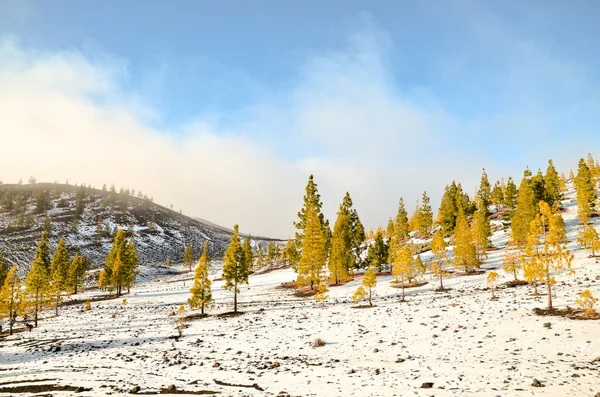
point(458, 342)
point(87, 219)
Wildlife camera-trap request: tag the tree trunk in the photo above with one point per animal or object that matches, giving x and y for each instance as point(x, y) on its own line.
point(202, 309)
point(37, 307)
point(535, 288)
point(441, 282)
point(235, 297)
point(515, 273)
point(549, 290)
point(57, 301)
point(370, 302)
point(402, 288)
point(75, 288)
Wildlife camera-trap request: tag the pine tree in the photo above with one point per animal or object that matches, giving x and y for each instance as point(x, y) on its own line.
point(401, 221)
point(314, 250)
point(99, 229)
point(188, 257)
point(404, 267)
point(377, 254)
point(480, 230)
point(77, 271)
point(59, 272)
point(201, 291)
point(4, 269)
point(465, 254)
point(538, 185)
point(525, 212)
point(485, 193)
point(124, 250)
point(510, 195)
point(321, 295)
point(37, 282)
point(260, 260)
point(497, 197)
point(271, 253)
point(511, 261)
point(448, 209)
point(589, 238)
point(369, 282)
point(426, 216)
point(235, 269)
point(438, 247)
point(48, 225)
point(415, 219)
point(492, 279)
point(11, 297)
point(586, 193)
point(399, 230)
point(292, 254)
point(552, 184)
point(312, 199)
point(552, 254)
point(341, 261)
point(249, 255)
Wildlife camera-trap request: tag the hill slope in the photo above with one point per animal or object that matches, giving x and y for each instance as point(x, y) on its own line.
point(87, 219)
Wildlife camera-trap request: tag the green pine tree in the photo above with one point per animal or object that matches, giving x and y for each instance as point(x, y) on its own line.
point(59, 273)
point(552, 184)
point(377, 255)
point(188, 257)
point(586, 192)
point(77, 270)
point(235, 269)
point(426, 216)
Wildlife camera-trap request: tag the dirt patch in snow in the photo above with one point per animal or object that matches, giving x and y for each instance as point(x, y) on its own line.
point(515, 283)
point(574, 314)
point(406, 286)
point(42, 389)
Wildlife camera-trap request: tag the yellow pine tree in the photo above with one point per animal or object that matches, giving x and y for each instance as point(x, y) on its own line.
point(588, 238)
point(365, 291)
point(201, 291)
point(479, 231)
point(321, 295)
point(12, 300)
point(532, 267)
point(586, 301)
point(314, 251)
point(438, 247)
point(552, 254)
point(404, 267)
point(511, 261)
point(235, 269)
point(465, 253)
point(492, 279)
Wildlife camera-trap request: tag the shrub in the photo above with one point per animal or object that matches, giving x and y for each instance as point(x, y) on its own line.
point(586, 301)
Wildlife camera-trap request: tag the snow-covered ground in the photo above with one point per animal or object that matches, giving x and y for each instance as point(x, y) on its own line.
point(461, 341)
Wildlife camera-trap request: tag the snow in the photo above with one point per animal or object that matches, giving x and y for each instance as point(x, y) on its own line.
point(461, 340)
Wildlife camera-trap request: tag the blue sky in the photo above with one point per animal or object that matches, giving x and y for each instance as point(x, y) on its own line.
point(384, 99)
